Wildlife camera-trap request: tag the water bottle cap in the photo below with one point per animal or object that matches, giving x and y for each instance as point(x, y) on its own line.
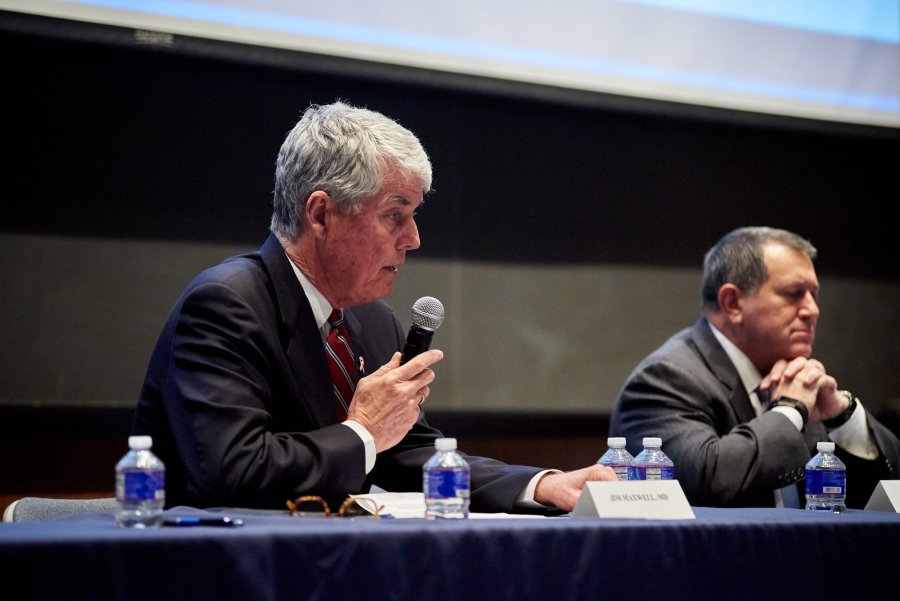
point(652, 441)
point(445, 444)
point(825, 446)
point(140, 443)
point(616, 441)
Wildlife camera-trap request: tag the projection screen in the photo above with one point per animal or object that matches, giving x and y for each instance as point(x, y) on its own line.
point(829, 60)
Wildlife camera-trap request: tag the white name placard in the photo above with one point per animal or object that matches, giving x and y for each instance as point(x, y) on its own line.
point(885, 497)
point(649, 499)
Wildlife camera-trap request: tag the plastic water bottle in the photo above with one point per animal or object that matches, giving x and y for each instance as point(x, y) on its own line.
point(618, 458)
point(140, 485)
point(445, 482)
point(652, 463)
point(826, 480)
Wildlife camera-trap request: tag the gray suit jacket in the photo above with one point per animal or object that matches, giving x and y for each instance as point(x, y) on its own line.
point(689, 393)
point(238, 398)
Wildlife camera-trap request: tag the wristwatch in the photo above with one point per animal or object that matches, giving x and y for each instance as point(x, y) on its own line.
point(843, 417)
point(800, 406)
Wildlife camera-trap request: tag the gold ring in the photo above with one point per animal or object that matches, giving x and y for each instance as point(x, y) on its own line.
point(423, 399)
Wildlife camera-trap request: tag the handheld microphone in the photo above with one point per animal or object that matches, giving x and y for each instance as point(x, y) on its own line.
point(427, 316)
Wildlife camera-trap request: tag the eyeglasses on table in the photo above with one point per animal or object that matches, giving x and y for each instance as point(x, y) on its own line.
point(352, 507)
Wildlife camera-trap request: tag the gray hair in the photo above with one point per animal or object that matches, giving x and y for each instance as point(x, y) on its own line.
point(738, 259)
point(345, 151)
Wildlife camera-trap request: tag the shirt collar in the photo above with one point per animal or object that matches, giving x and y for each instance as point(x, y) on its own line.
point(750, 376)
point(321, 308)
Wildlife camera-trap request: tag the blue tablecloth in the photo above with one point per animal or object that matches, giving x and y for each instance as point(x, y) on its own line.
point(723, 554)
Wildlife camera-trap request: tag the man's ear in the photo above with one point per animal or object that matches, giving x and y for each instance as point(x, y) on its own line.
point(730, 302)
point(316, 214)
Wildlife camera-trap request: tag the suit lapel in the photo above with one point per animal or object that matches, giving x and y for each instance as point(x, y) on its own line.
point(719, 363)
point(300, 337)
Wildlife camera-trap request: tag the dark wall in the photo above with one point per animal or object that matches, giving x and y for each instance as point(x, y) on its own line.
point(115, 139)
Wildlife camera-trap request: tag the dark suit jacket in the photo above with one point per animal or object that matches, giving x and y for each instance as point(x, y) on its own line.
point(238, 400)
point(689, 393)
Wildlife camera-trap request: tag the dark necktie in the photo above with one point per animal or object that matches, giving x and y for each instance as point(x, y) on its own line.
point(340, 362)
point(764, 397)
point(790, 496)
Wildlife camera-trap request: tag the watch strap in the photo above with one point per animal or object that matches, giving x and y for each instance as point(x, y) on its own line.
point(800, 406)
point(844, 416)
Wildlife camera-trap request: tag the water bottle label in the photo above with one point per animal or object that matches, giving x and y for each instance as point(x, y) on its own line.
point(448, 484)
point(653, 472)
point(141, 486)
point(826, 482)
point(621, 471)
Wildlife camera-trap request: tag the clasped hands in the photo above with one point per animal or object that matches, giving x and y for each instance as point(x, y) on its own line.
point(807, 381)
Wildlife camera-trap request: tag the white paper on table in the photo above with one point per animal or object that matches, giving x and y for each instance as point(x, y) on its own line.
point(412, 505)
point(396, 504)
point(507, 516)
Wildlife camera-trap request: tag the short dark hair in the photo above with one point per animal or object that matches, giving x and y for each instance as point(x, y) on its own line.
point(738, 259)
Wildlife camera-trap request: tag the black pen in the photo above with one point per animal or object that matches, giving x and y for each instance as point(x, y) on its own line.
point(223, 521)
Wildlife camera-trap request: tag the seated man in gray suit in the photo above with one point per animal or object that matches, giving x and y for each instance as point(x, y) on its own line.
point(706, 390)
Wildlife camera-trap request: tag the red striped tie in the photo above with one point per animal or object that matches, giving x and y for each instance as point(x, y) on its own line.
point(340, 362)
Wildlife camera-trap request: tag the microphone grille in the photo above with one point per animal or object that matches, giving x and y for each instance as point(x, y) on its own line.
point(428, 313)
